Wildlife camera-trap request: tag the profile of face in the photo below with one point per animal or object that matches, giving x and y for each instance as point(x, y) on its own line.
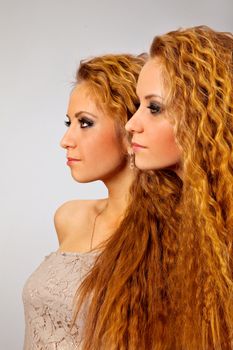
point(153, 139)
point(94, 147)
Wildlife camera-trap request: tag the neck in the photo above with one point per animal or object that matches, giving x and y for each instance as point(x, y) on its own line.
point(118, 191)
point(112, 210)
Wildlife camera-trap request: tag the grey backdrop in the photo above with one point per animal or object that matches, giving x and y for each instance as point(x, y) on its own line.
point(41, 44)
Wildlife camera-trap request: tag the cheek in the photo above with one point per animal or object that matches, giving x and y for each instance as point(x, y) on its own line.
point(113, 147)
point(104, 145)
point(168, 140)
point(163, 150)
point(163, 136)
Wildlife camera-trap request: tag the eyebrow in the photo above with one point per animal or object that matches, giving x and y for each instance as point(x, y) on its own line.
point(147, 97)
point(76, 115)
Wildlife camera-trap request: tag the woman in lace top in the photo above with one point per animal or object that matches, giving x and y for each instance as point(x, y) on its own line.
point(102, 100)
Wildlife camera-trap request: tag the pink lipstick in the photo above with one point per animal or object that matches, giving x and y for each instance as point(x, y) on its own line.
point(71, 161)
point(137, 146)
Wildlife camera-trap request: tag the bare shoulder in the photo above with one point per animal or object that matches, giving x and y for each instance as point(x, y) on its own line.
point(72, 217)
point(68, 210)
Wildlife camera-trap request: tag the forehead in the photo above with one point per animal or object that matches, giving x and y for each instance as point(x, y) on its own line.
point(82, 98)
point(151, 78)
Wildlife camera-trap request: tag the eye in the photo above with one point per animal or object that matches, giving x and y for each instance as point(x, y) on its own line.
point(85, 123)
point(155, 108)
point(67, 123)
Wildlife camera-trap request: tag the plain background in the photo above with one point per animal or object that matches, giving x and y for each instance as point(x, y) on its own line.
point(41, 44)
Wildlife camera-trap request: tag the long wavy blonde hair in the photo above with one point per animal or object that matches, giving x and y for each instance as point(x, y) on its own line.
point(163, 281)
point(198, 69)
point(124, 309)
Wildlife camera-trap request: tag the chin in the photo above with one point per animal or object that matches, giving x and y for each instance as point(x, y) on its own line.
point(81, 179)
point(84, 180)
point(143, 165)
point(149, 165)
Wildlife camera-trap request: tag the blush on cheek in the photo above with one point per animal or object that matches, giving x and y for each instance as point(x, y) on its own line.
point(166, 137)
point(173, 145)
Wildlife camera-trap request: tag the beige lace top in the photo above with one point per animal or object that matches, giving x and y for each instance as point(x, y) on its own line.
point(48, 298)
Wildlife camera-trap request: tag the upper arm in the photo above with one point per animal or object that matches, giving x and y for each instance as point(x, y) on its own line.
point(60, 222)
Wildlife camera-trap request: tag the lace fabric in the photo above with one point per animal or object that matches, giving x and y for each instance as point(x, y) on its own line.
point(48, 300)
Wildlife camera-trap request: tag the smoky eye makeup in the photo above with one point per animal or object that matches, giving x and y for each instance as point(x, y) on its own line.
point(67, 122)
point(155, 107)
point(85, 122)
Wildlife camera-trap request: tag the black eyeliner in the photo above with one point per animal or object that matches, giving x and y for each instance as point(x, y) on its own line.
point(155, 107)
point(83, 120)
point(67, 122)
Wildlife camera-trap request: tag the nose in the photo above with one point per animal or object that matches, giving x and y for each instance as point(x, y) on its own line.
point(134, 124)
point(68, 140)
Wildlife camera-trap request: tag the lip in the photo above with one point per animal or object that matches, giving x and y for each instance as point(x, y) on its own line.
point(137, 146)
point(71, 160)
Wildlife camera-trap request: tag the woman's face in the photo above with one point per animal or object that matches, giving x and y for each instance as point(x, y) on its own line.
point(94, 148)
point(153, 140)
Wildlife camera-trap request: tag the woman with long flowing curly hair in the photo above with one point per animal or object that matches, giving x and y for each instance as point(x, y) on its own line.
point(102, 100)
point(184, 126)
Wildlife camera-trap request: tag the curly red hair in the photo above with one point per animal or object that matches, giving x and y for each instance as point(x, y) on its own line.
point(198, 69)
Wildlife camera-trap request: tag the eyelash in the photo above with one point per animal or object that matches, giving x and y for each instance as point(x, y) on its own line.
point(81, 121)
point(155, 108)
point(67, 123)
point(86, 121)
